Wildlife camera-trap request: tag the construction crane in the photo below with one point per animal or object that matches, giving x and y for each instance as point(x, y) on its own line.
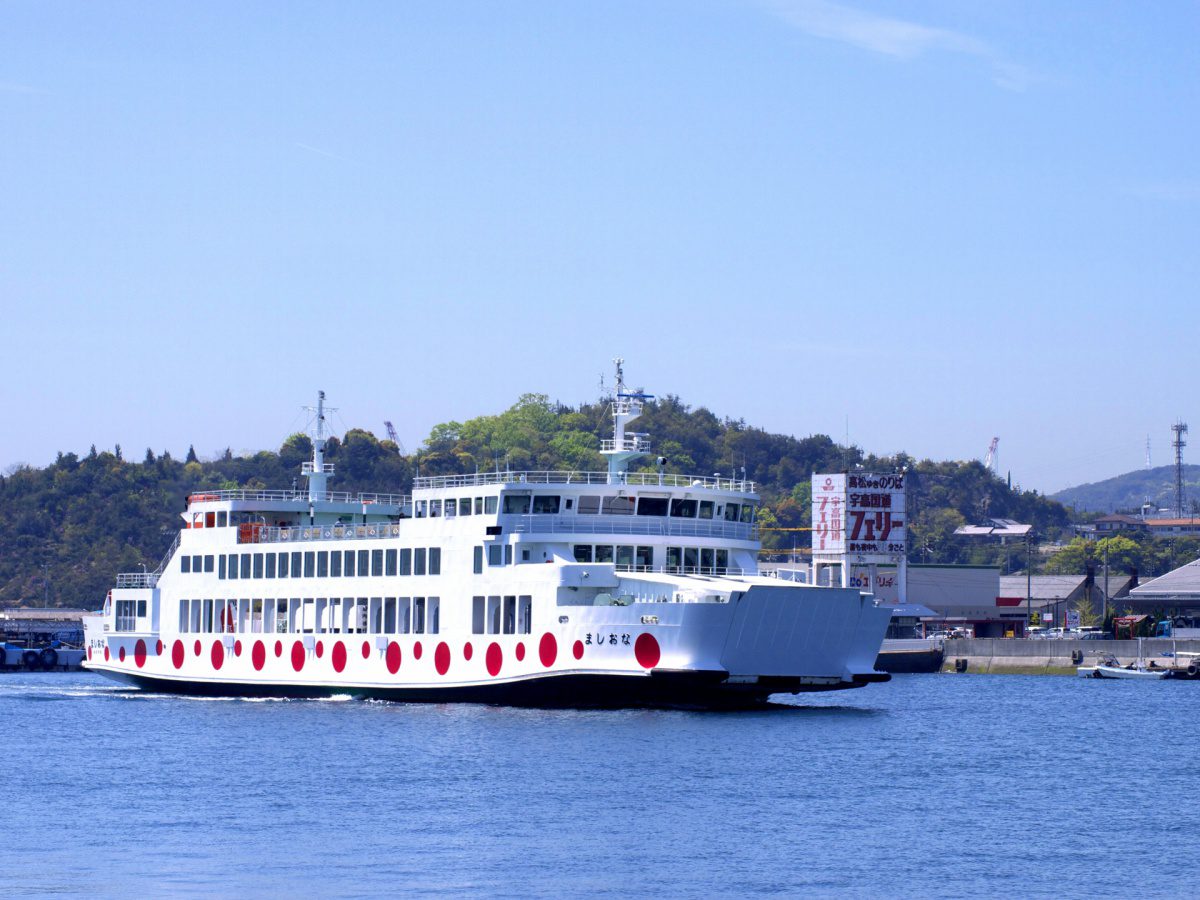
point(393, 437)
point(989, 461)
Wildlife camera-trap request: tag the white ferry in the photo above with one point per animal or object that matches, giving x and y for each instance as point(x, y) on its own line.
point(612, 588)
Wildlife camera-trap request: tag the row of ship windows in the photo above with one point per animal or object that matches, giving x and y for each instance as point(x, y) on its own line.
point(318, 563)
point(589, 505)
point(502, 615)
point(311, 615)
point(595, 504)
point(678, 559)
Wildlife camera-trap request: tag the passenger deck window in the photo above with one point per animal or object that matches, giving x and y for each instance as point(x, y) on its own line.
point(335, 564)
point(419, 561)
point(435, 508)
point(283, 565)
point(479, 506)
point(451, 508)
point(348, 563)
point(477, 615)
point(389, 567)
point(323, 564)
point(270, 565)
point(406, 561)
point(435, 560)
point(185, 564)
point(464, 506)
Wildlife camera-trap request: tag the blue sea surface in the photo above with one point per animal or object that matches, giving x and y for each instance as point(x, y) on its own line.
point(932, 785)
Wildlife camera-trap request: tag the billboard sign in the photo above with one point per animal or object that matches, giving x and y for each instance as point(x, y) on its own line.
point(829, 514)
point(860, 516)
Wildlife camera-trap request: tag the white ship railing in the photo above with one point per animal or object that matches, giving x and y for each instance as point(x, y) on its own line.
point(299, 497)
point(649, 525)
point(716, 571)
point(633, 443)
point(433, 482)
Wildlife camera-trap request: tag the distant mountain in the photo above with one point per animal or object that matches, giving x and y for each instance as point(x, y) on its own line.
point(1129, 491)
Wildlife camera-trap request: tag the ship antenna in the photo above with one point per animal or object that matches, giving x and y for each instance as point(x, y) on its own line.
point(318, 471)
point(626, 406)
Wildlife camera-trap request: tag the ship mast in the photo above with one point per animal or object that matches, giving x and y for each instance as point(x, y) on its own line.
point(624, 446)
point(318, 471)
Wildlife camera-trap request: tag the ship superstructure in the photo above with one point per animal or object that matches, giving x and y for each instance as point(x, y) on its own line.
point(578, 588)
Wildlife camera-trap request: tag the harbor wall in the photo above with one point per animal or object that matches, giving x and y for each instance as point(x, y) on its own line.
point(1052, 657)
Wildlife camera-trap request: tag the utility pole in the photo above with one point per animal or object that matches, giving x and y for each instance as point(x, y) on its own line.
point(1104, 616)
point(1028, 577)
point(1180, 428)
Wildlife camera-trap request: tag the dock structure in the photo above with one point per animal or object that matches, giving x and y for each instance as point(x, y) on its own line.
point(41, 638)
point(1061, 657)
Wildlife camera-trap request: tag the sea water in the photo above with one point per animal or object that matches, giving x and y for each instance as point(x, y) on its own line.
point(931, 785)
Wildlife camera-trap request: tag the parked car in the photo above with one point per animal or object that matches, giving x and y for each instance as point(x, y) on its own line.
point(1093, 636)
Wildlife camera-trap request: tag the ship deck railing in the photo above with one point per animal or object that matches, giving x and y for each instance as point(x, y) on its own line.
point(647, 525)
point(282, 534)
point(710, 571)
point(647, 479)
point(297, 496)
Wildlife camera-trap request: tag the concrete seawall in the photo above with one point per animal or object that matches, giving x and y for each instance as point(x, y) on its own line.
point(1052, 657)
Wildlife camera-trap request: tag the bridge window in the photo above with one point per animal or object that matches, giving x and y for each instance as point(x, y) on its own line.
point(604, 553)
point(645, 557)
point(516, 504)
point(618, 506)
point(706, 509)
point(706, 559)
point(674, 558)
point(625, 556)
point(683, 509)
point(731, 512)
point(589, 505)
point(583, 553)
point(691, 559)
point(722, 562)
point(652, 506)
point(546, 504)
point(747, 512)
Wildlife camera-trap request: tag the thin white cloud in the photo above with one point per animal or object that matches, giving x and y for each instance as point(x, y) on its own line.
point(896, 38)
point(320, 152)
point(11, 87)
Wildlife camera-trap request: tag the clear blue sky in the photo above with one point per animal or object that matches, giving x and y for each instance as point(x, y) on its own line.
point(942, 220)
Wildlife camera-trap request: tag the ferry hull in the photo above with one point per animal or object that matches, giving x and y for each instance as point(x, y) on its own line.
point(703, 690)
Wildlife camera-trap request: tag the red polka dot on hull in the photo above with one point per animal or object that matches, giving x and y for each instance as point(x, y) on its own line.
point(495, 659)
point(158, 648)
point(441, 658)
point(366, 650)
point(121, 654)
point(198, 648)
point(547, 650)
point(577, 650)
point(106, 654)
point(258, 656)
point(646, 649)
point(139, 653)
point(338, 656)
point(468, 651)
point(237, 648)
point(178, 653)
point(520, 651)
point(218, 654)
point(417, 650)
point(320, 649)
point(393, 657)
point(297, 656)
point(278, 649)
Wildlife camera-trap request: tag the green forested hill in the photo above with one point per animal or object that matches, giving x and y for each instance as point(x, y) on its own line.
point(66, 529)
point(1127, 493)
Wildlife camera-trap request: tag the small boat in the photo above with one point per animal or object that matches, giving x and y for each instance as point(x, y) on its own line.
point(1107, 666)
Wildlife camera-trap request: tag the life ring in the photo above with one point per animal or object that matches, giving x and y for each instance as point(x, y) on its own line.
point(49, 658)
point(371, 532)
point(327, 532)
point(307, 533)
point(285, 535)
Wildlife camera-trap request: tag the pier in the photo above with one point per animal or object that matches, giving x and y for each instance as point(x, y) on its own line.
point(1029, 656)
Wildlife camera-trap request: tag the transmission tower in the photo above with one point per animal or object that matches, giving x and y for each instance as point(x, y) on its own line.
point(393, 437)
point(1147, 453)
point(1180, 428)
